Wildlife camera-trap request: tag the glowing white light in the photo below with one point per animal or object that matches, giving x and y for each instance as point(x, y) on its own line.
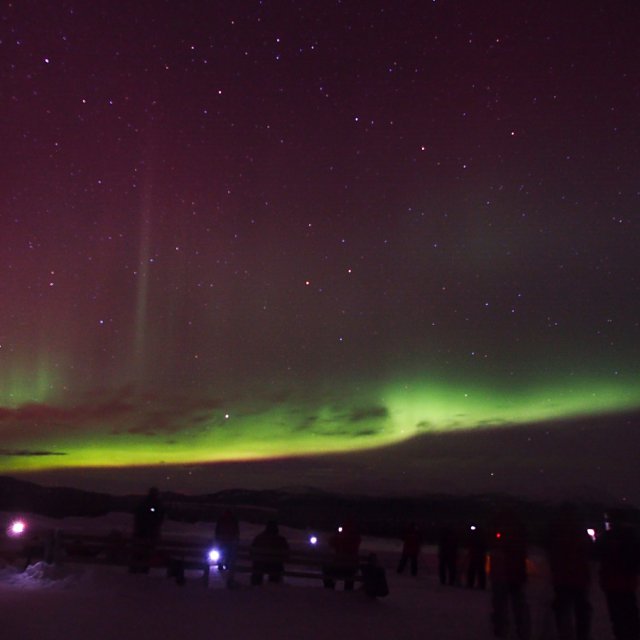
point(214, 555)
point(592, 534)
point(313, 540)
point(339, 529)
point(17, 528)
point(472, 527)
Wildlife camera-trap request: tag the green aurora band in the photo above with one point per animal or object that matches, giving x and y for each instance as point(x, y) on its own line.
point(125, 429)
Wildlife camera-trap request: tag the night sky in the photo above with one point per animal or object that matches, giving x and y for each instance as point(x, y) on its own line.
point(360, 244)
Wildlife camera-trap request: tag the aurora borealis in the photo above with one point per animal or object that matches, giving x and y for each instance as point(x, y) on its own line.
point(271, 230)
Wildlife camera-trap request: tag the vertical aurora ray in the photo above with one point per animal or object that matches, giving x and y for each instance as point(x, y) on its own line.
point(141, 318)
point(32, 381)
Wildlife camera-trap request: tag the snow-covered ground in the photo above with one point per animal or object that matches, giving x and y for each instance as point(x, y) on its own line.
point(85, 602)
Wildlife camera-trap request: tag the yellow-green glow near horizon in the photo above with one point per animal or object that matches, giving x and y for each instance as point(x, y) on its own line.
point(125, 432)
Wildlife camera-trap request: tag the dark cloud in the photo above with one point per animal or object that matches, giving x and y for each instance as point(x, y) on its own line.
point(367, 432)
point(27, 453)
point(125, 411)
point(307, 423)
point(368, 413)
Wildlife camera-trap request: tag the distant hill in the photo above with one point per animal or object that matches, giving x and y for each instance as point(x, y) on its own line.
point(301, 507)
point(18, 495)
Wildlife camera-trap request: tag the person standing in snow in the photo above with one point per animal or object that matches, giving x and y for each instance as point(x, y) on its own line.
point(227, 535)
point(411, 543)
point(569, 550)
point(448, 557)
point(477, 551)
point(509, 576)
point(227, 538)
point(619, 555)
point(147, 523)
point(344, 566)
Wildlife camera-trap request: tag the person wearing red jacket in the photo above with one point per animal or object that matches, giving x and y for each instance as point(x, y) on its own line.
point(508, 577)
point(569, 549)
point(346, 546)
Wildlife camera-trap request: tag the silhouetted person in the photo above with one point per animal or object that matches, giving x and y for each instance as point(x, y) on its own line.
point(448, 556)
point(227, 535)
point(148, 517)
point(269, 550)
point(344, 566)
point(617, 550)
point(509, 576)
point(411, 543)
point(569, 550)
point(476, 571)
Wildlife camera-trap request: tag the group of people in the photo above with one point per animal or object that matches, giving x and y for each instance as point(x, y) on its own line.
point(268, 551)
point(570, 551)
point(448, 555)
point(569, 547)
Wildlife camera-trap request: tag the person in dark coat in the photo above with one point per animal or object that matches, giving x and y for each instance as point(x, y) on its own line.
point(269, 550)
point(227, 534)
point(619, 556)
point(476, 570)
point(227, 539)
point(448, 556)
point(148, 517)
point(344, 566)
point(411, 543)
point(509, 576)
point(569, 551)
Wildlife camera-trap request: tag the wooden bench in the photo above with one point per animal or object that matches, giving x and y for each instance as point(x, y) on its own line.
point(175, 555)
point(179, 555)
point(311, 564)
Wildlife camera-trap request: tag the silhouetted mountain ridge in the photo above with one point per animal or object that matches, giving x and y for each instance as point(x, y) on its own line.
point(302, 507)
